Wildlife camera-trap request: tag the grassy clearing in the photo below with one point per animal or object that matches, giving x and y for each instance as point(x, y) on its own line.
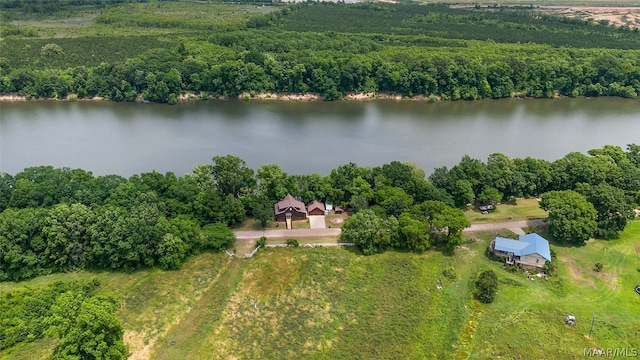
point(39, 349)
point(335, 221)
point(152, 301)
point(307, 240)
point(526, 320)
point(182, 15)
point(333, 303)
point(157, 18)
point(243, 247)
point(186, 335)
point(520, 209)
point(253, 224)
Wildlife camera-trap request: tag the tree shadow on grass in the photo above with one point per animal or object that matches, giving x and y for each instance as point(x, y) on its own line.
point(564, 244)
point(354, 250)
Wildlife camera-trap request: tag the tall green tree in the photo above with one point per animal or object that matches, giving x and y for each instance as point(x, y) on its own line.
point(486, 286)
point(451, 222)
point(368, 231)
point(393, 199)
point(472, 170)
point(571, 217)
point(21, 243)
point(414, 233)
point(217, 236)
point(612, 209)
point(96, 332)
point(263, 212)
point(232, 176)
point(273, 183)
point(500, 174)
point(463, 193)
point(532, 176)
point(65, 232)
point(490, 195)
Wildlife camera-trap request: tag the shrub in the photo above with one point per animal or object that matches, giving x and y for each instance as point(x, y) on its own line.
point(293, 242)
point(514, 269)
point(50, 50)
point(486, 286)
point(261, 242)
point(551, 267)
point(496, 257)
point(598, 267)
point(450, 273)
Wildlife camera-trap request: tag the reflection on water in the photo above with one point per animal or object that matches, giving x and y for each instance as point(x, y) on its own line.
point(304, 137)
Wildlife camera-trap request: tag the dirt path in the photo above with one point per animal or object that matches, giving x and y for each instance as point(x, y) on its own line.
point(300, 233)
point(184, 339)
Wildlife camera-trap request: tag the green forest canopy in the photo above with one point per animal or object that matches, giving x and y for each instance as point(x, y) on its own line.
point(61, 219)
point(160, 49)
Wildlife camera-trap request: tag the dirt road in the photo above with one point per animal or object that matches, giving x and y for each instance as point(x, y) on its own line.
point(299, 233)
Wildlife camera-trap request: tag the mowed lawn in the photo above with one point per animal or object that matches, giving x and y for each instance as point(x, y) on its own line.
point(518, 209)
point(526, 321)
point(333, 303)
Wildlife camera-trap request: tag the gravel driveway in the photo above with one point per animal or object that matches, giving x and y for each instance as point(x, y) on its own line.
point(317, 222)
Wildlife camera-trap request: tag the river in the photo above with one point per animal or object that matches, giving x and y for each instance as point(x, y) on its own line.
point(304, 137)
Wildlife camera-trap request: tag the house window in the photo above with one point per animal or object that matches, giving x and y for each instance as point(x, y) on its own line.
point(537, 260)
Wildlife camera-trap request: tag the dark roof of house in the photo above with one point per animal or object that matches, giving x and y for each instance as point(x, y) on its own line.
point(525, 245)
point(289, 202)
point(315, 204)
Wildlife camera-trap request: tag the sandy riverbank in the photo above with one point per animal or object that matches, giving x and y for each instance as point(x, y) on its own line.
point(14, 97)
point(186, 97)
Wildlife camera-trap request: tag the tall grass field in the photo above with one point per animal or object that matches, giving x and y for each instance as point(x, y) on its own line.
point(332, 303)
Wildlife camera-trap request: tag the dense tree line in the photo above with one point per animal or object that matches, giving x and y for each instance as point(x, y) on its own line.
point(299, 50)
point(62, 219)
point(161, 75)
point(84, 323)
point(586, 195)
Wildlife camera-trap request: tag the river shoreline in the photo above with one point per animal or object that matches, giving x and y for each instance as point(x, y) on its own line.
point(190, 96)
point(308, 97)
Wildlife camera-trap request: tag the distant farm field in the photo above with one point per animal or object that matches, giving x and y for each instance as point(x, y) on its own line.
point(332, 303)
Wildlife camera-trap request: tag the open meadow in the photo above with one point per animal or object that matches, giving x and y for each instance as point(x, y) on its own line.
point(334, 303)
